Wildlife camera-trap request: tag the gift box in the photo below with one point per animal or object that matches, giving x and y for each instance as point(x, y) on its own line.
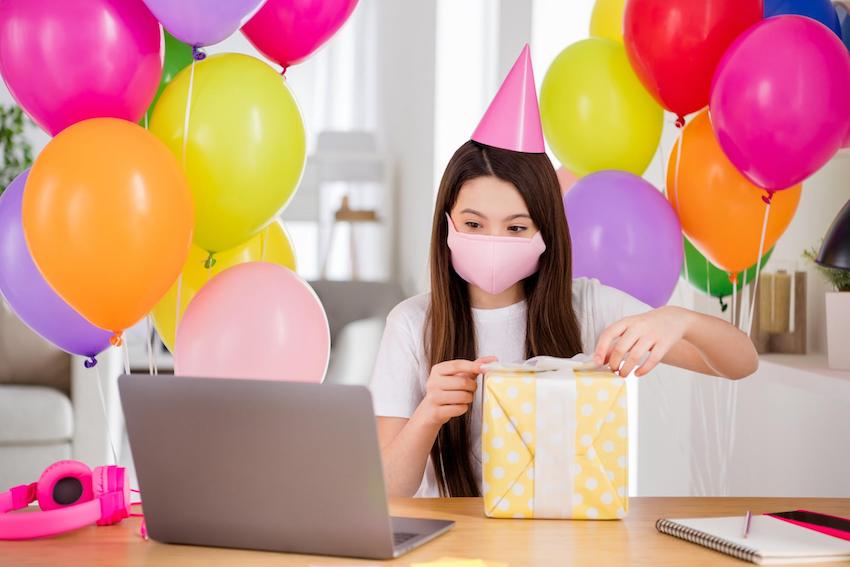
point(554, 440)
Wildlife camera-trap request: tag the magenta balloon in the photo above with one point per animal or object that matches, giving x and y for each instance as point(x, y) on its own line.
point(70, 60)
point(202, 22)
point(29, 295)
point(289, 31)
point(254, 320)
point(625, 234)
point(780, 100)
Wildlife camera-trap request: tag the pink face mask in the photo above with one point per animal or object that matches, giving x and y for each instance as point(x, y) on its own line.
point(493, 263)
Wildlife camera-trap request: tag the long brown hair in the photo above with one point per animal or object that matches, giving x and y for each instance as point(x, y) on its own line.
point(551, 327)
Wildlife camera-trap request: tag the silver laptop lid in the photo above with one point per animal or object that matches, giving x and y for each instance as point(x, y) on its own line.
point(258, 464)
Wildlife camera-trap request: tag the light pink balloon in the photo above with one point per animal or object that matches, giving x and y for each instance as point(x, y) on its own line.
point(65, 61)
point(254, 320)
point(566, 179)
point(289, 31)
point(780, 100)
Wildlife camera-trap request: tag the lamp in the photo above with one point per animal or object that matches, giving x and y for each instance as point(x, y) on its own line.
point(835, 250)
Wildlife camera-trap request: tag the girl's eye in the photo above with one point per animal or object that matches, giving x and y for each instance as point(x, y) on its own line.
point(472, 224)
point(517, 228)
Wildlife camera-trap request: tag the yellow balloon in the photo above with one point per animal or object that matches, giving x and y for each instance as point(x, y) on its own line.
point(245, 149)
point(271, 245)
point(596, 114)
point(607, 19)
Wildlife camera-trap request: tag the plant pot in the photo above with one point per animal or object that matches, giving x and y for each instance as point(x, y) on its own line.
point(838, 329)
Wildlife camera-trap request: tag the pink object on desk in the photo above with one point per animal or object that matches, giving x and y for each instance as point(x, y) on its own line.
point(840, 534)
point(70, 496)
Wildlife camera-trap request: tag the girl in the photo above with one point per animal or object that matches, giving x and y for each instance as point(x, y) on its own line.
point(501, 288)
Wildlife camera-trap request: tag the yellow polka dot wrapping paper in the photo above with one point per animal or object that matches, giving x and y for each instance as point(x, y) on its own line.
point(554, 441)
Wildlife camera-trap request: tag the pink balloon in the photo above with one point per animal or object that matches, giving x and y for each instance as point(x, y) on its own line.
point(289, 31)
point(254, 320)
point(566, 179)
point(780, 100)
point(70, 60)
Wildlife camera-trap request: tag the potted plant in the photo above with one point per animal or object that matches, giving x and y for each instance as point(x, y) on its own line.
point(16, 150)
point(837, 313)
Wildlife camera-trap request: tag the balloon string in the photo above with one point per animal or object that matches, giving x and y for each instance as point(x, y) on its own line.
point(758, 264)
point(105, 415)
point(734, 300)
point(126, 354)
point(708, 279)
point(177, 309)
point(263, 246)
point(676, 186)
point(188, 112)
point(148, 334)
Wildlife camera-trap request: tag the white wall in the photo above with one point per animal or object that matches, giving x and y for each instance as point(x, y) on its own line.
point(406, 63)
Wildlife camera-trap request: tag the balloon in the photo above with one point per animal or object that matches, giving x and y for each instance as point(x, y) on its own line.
point(634, 245)
point(721, 212)
point(108, 218)
point(178, 55)
point(821, 10)
point(607, 19)
point(289, 31)
point(245, 149)
point(201, 22)
point(566, 179)
point(271, 245)
point(595, 113)
point(710, 279)
point(77, 59)
point(29, 296)
point(674, 45)
point(254, 320)
point(774, 131)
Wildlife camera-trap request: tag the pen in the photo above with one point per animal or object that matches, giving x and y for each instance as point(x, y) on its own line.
point(747, 519)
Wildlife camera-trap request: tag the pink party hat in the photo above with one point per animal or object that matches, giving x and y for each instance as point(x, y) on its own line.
point(512, 122)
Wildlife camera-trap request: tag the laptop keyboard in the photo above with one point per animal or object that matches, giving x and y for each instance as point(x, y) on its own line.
point(401, 537)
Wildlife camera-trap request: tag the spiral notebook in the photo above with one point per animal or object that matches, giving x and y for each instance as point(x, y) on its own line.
point(770, 541)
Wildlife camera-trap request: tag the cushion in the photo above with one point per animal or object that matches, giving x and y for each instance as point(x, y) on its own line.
point(34, 414)
point(26, 358)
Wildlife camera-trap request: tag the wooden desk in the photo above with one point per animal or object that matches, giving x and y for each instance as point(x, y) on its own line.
point(633, 541)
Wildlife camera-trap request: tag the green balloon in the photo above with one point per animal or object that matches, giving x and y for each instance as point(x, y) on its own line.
point(178, 56)
point(710, 279)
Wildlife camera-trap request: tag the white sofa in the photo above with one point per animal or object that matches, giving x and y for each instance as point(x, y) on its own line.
point(50, 404)
point(356, 313)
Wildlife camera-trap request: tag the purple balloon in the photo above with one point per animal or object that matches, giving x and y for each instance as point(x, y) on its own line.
point(30, 296)
point(201, 22)
point(625, 234)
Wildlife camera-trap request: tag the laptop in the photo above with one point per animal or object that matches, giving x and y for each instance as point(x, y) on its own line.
point(257, 464)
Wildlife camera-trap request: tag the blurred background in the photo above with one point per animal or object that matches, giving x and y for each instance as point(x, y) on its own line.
point(385, 103)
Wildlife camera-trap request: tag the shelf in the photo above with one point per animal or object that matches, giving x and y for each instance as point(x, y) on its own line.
point(806, 372)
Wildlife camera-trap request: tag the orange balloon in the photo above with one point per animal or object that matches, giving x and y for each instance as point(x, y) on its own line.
point(720, 210)
point(108, 218)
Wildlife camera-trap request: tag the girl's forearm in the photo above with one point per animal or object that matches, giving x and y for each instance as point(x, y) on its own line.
point(406, 456)
point(725, 349)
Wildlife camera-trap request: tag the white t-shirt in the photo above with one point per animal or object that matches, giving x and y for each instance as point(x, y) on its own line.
point(402, 368)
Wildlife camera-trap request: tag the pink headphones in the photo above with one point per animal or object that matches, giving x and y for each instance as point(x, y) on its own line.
point(70, 496)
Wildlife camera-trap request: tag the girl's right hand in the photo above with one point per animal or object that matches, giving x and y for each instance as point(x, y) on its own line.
point(450, 389)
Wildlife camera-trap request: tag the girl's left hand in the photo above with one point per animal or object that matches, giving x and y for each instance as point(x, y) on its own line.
point(629, 340)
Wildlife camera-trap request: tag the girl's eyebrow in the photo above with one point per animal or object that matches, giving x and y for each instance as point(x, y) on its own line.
point(517, 216)
point(474, 212)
